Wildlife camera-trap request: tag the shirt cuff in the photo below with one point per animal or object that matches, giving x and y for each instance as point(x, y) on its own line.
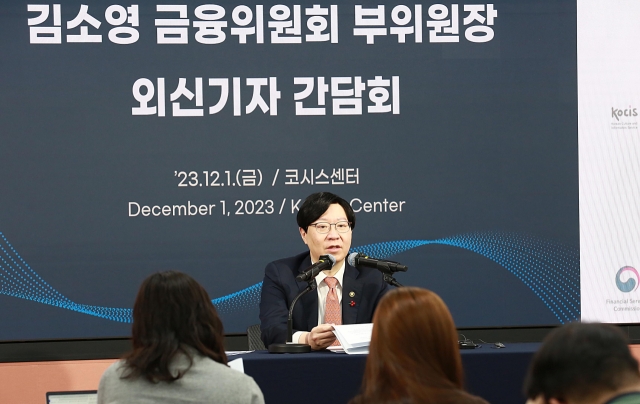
point(296, 337)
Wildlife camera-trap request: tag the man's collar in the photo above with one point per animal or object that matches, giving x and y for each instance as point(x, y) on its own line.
point(338, 275)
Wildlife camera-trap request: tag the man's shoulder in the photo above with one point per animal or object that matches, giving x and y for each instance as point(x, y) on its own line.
point(362, 272)
point(291, 262)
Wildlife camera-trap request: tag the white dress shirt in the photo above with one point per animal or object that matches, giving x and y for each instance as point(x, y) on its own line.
point(323, 291)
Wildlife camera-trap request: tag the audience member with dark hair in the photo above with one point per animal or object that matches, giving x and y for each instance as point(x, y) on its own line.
point(584, 363)
point(414, 356)
point(178, 350)
point(345, 295)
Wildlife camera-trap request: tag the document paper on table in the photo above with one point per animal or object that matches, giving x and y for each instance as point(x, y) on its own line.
point(354, 338)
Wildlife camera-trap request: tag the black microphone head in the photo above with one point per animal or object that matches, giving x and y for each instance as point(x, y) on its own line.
point(401, 268)
point(330, 258)
point(351, 259)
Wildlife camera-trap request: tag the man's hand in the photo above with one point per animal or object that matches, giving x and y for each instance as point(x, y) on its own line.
point(321, 336)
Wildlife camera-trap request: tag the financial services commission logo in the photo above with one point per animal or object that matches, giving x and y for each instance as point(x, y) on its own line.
point(624, 118)
point(631, 283)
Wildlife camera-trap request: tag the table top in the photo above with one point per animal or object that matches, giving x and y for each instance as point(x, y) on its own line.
point(483, 349)
point(495, 374)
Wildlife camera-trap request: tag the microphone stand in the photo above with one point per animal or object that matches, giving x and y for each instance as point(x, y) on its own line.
point(387, 275)
point(391, 280)
point(290, 347)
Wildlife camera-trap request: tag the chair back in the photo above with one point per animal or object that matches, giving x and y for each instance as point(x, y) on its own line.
point(253, 335)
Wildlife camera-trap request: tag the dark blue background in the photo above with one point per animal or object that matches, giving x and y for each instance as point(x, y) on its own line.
point(486, 141)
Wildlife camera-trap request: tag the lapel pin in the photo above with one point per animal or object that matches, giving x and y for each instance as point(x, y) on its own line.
point(352, 303)
point(352, 294)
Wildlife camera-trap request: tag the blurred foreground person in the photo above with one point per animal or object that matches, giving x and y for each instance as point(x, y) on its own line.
point(178, 350)
point(584, 363)
point(414, 356)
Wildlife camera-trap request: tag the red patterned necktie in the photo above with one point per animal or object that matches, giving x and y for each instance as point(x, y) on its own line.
point(332, 312)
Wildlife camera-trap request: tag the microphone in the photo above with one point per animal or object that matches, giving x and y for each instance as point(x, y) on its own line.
point(361, 260)
point(325, 262)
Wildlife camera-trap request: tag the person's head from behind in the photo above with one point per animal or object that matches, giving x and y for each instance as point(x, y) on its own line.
point(414, 349)
point(325, 221)
point(582, 363)
point(172, 314)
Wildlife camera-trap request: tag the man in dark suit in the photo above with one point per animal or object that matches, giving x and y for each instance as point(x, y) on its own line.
point(325, 223)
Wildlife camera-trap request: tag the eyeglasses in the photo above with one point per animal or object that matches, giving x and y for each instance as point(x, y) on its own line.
point(324, 227)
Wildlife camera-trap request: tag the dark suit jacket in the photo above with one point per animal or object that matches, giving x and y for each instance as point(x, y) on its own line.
point(280, 287)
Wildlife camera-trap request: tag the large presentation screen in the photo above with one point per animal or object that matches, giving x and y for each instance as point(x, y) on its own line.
point(140, 137)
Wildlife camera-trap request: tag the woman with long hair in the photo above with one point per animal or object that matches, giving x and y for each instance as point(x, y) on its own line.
point(178, 350)
point(414, 355)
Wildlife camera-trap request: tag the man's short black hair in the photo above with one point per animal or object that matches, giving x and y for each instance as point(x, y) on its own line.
point(316, 204)
point(581, 360)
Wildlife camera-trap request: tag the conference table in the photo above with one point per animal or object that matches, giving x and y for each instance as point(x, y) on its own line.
point(495, 374)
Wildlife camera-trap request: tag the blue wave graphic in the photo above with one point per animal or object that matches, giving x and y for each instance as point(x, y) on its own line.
point(17, 279)
point(550, 270)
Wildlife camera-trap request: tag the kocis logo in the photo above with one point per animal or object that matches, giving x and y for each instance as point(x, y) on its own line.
point(630, 284)
point(617, 113)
